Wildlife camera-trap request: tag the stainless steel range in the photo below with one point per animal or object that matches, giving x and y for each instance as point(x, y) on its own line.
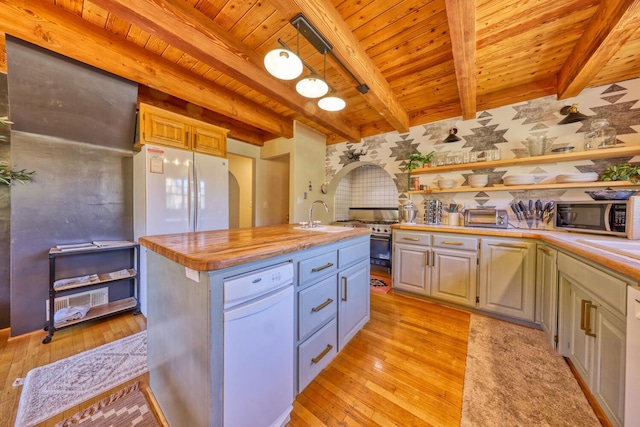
point(379, 221)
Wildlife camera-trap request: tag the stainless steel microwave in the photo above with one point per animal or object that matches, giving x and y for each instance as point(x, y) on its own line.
point(610, 217)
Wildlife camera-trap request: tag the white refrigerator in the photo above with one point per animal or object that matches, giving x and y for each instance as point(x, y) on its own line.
point(177, 191)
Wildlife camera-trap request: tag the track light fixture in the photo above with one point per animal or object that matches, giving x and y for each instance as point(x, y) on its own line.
point(283, 63)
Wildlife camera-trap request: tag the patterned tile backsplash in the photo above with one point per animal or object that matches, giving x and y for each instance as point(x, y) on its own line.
point(505, 129)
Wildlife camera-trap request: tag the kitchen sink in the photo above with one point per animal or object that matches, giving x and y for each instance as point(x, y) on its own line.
point(622, 247)
point(324, 229)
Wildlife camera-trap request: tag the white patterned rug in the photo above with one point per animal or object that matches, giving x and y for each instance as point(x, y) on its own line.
point(54, 388)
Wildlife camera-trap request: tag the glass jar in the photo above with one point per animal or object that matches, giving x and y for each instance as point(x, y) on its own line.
point(605, 134)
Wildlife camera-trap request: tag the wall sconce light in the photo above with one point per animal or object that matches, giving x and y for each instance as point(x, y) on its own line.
point(452, 137)
point(572, 114)
point(355, 155)
point(282, 63)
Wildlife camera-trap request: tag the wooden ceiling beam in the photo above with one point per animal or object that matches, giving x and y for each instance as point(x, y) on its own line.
point(52, 28)
point(184, 27)
point(324, 16)
point(611, 26)
point(461, 16)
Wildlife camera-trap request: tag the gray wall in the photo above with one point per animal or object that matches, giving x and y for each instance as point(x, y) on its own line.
point(5, 210)
point(74, 126)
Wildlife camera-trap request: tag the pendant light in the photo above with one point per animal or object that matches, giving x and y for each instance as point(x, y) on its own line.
point(283, 64)
point(572, 115)
point(312, 87)
point(332, 103)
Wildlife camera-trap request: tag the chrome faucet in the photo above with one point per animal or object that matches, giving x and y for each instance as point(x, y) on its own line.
point(326, 208)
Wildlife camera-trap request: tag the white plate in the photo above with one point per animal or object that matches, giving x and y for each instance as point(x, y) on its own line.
point(518, 180)
point(577, 177)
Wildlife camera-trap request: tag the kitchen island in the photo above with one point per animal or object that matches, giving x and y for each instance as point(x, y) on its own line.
point(191, 277)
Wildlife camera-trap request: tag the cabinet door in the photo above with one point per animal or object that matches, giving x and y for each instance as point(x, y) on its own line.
point(507, 277)
point(609, 362)
point(163, 127)
point(576, 344)
point(453, 276)
point(209, 140)
point(411, 268)
point(354, 301)
point(547, 290)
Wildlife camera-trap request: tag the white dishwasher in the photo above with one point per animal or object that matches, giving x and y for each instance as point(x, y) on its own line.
point(632, 373)
point(258, 347)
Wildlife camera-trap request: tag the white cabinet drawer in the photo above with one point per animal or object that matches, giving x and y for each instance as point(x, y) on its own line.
point(317, 267)
point(412, 237)
point(316, 353)
point(610, 289)
point(452, 241)
point(316, 305)
point(351, 254)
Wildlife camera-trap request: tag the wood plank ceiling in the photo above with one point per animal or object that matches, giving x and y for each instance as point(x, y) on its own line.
point(423, 60)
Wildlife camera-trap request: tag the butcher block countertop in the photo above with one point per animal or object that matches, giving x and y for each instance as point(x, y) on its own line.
point(215, 250)
point(604, 250)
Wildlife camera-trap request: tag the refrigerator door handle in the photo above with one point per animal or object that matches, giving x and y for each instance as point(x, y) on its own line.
point(196, 195)
point(190, 194)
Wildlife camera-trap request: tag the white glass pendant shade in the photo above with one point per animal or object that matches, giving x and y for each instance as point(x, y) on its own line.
point(312, 87)
point(283, 64)
point(332, 103)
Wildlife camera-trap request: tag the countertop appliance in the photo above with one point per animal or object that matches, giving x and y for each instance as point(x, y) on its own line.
point(379, 221)
point(490, 218)
point(177, 191)
point(258, 347)
point(610, 217)
point(632, 371)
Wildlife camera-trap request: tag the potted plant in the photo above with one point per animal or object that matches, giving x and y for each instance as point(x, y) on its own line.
point(621, 172)
point(416, 160)
point(7, 175)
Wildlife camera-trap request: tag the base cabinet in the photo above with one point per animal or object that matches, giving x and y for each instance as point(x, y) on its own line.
point(507, 277)
point(593, 331)
point(411, 268)
point(453, 276)
point(332, 304)
point(353, 310)
point(547, 291)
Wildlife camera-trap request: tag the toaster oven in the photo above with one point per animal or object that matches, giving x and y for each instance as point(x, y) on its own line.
point(491, 218)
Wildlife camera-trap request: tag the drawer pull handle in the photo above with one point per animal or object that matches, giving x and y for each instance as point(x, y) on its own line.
point(344, 288)
point(508, 245)
point(583, 303)
point(323, 354)
point(413, 239)
point(587, 321)
point(321, 306)
point(452, 243)
point(327, 265)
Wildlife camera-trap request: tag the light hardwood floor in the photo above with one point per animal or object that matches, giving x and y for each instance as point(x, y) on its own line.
point(406, 367)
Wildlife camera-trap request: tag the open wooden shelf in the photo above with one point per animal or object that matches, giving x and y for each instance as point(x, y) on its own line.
point(109, 308)
point(102, 278)
point(549, 186)
point(603, 153)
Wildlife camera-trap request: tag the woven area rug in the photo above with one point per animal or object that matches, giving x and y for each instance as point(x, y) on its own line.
point(126, 408)
point(54, 388)
point(379, 284)
point(514, 378)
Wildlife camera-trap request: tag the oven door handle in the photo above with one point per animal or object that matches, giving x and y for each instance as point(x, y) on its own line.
point(382, 239)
